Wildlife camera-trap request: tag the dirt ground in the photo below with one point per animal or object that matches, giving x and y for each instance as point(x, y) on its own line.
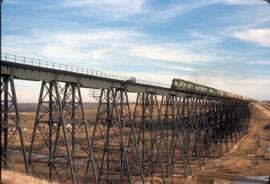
point(10, 177)
point(249, 157)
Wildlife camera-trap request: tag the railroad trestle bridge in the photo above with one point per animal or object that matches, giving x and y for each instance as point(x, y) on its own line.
point(164, 133)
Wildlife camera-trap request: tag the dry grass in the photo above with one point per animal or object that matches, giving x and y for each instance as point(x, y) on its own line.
point(11, 177)
point(245, 158)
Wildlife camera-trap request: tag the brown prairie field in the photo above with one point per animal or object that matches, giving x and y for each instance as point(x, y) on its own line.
point(11, 177)
point(249, 157)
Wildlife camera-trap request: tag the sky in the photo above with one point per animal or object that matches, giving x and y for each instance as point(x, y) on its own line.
point(220, 43)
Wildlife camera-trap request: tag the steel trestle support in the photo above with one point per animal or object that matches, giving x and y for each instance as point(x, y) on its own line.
point(114, 142)
point(10, 124)
point(155, 138)
point(60, 136)
point(152, 138)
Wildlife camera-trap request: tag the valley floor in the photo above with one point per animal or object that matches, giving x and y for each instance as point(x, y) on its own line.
point(249, 157)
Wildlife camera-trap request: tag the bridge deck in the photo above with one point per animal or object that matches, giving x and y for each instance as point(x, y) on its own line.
point(37, 70)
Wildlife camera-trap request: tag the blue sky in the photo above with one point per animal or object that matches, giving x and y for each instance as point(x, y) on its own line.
point(220, 43)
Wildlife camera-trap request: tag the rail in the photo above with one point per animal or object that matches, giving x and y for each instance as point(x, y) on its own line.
point(64, 67)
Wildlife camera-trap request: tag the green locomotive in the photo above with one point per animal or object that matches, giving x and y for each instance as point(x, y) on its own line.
point(187, 86)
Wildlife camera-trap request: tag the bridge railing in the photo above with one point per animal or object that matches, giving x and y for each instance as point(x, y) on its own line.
point(75, 69)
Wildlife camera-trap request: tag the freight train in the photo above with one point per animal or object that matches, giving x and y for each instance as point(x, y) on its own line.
point(187, 86)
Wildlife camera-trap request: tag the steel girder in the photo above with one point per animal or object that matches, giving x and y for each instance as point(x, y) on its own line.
point(60, 138)
point(10, 124)
point(78, 136)
point(152, 138)
point(114, 142)
point(172, 113)
point(159, 139)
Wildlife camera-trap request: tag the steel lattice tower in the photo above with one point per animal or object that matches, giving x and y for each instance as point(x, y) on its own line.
point(114, 141)
point(10, 123)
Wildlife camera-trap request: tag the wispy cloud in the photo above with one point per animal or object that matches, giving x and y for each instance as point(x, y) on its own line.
point(206, 39)
point(173, 67)
point(260, 62)
point(142, 36)
point(243, 2)
point(169, 52)
point(99, 43)
point(12, 2)
point(117, 9)
point(183, 7)
point(84, 46)
point(90, 44)
point(177, 9)
point(259, 36)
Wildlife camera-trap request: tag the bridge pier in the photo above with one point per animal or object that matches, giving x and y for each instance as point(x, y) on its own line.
point(114, 142)
point(215, 124)
point(152, 138)
point(168, 110)
point(182, 137)
point(196, 128)
point(77, 134)
point(10, 122)
point(60, 139)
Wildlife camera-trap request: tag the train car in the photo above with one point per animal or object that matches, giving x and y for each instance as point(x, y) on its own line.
point(201, 88)
point(190, 86)
point(221, 93)
point(183, 85)
point(178, 84)
point(212, 91)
